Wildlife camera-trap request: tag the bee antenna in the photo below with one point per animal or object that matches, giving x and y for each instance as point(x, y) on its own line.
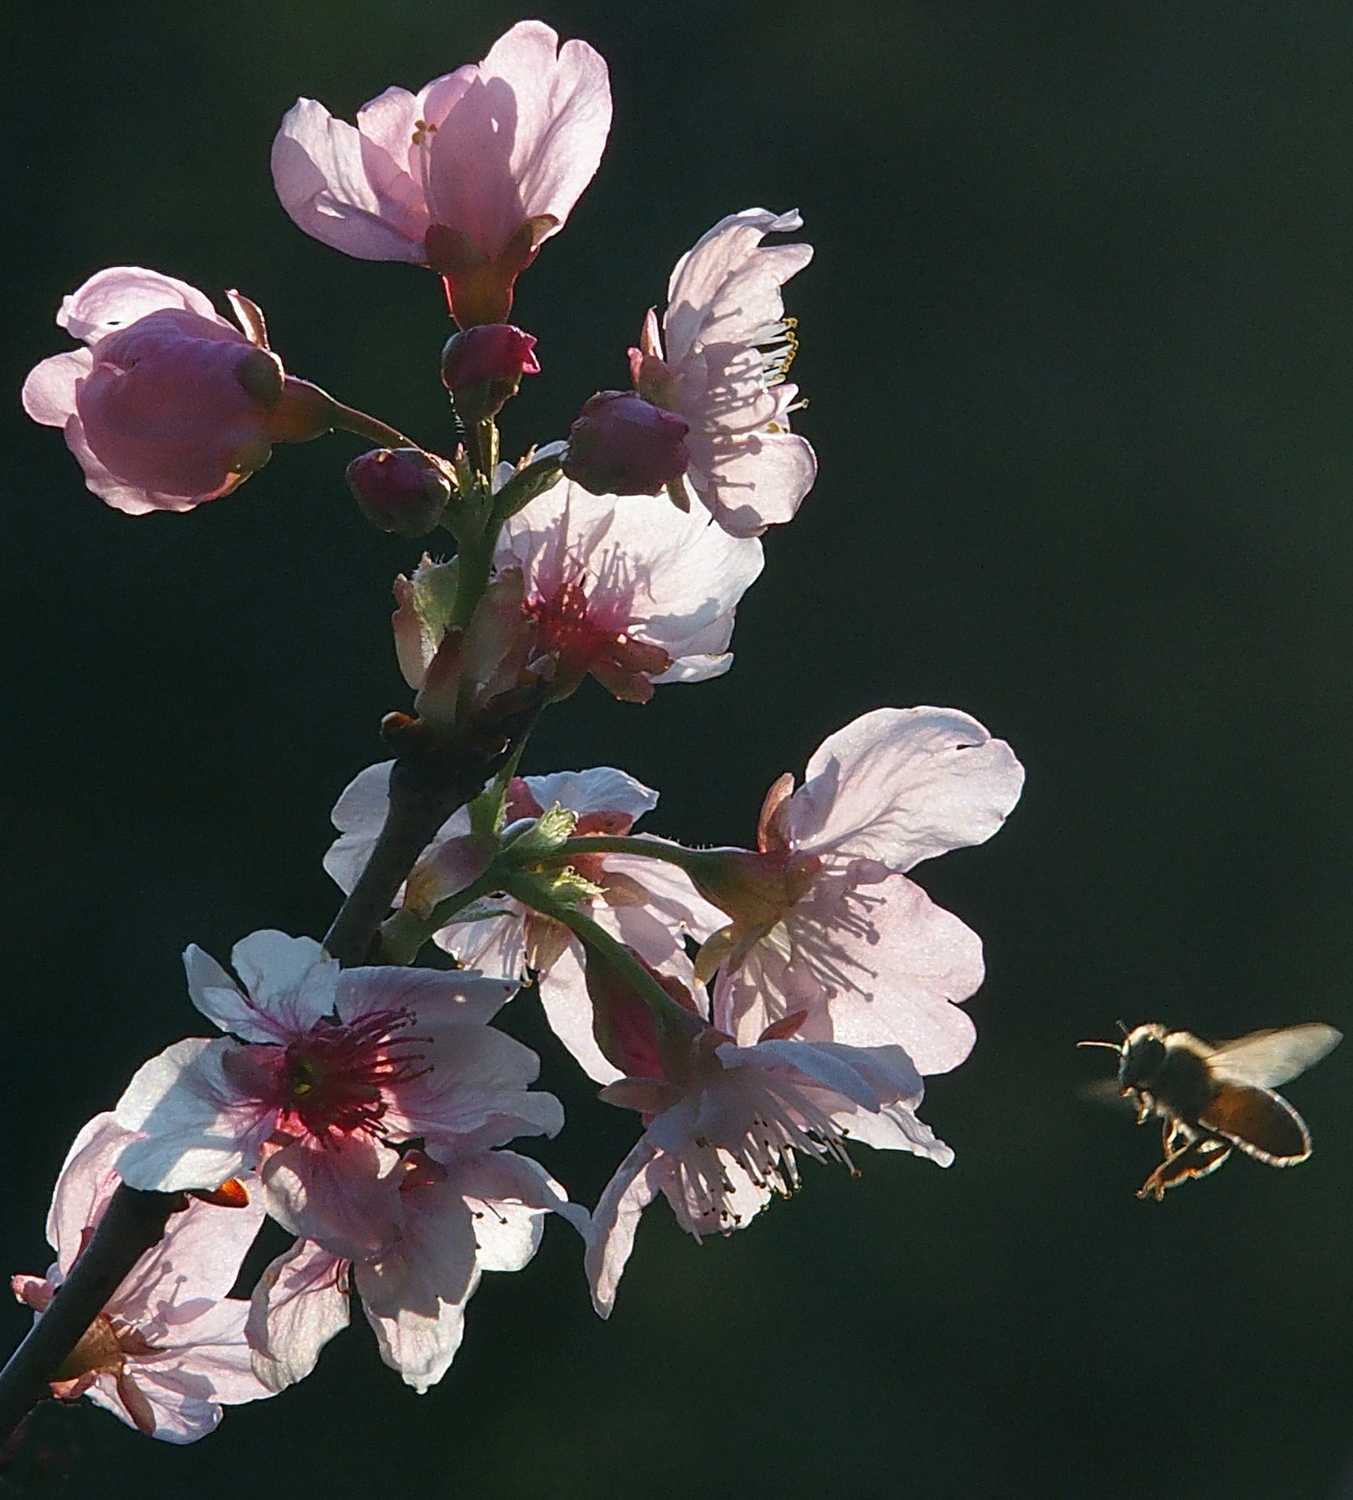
point(1112, 1046)
point(1122, 1028)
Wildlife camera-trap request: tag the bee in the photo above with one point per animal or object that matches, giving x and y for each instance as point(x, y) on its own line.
point(1213, 1099)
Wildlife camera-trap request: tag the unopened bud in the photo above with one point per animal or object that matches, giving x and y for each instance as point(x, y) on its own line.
point(483, 366)
point(624, 445)
point(399, 490)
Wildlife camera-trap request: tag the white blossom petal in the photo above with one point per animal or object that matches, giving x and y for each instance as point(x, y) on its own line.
point(508, 1197)
point(193, 1129)
point(602, 789)
point(903, 785)
point(292, 980)
point(299, 1304)
point(615, 1220)
point(49, 390)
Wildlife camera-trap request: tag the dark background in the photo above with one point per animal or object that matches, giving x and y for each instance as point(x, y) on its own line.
point(1077, 342)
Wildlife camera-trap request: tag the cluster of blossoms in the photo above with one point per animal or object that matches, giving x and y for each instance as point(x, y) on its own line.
point(751, 1005)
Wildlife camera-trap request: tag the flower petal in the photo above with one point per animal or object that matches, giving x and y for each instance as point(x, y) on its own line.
point(615, 1221)
point(344, 189)
point(440, 997)
point(218, 997)
point(114, 298)
point(49, 390)
point(568, 1009)
point(299, 1304)
point(523, 139)
point(726, 288)
point(903, 785)
point(87, 1180)
point(508, 1197)
point(343, 1193)
point(194, 1129)
point(602, 789)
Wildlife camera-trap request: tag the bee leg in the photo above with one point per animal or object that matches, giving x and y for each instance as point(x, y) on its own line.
point(1197, 1158)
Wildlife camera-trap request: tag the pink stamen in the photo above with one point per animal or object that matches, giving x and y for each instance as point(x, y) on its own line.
point(337, 1078)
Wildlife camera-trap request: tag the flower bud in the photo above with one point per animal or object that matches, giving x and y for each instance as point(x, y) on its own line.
point(483, 366)
point(169, 405)
point(624, 445)
point(399, 490)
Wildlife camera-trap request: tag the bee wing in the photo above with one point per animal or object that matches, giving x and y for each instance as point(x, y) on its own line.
point(1263, 1124)
point(1265, 1059)
point(1104, 1091)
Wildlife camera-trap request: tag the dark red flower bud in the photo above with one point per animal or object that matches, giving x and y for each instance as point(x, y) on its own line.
point(483, 366)
point(624, 445)
point(399, 490)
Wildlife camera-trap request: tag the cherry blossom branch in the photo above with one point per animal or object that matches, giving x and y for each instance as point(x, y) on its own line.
point(431, 778)
point(131, 1225)
point(424, 792)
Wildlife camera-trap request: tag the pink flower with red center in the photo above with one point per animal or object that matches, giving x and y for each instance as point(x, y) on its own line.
point(725, 1125)
point(829, 936)
point(728, 348)
point(632, 593)
point(324, 1078)
point(470, 176)
point(477, 1211)
point(647, 904)
point(168, 1350)
point(170, 405)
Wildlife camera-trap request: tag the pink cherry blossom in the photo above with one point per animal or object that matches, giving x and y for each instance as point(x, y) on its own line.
point(169, 405)
point(649, 905)
point(728, 347)
point(479, 1211)
point(725, 1125)
point(469, 176)
point(631, 592)
point(324, 1074)
point(168, 1350)
point(829, 934)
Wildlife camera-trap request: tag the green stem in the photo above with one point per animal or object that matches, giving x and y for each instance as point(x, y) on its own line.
point(674, 854)
point(348, 419)
point(476, 563)
point(665, 1010)
point(481, 440)
point(403, 934)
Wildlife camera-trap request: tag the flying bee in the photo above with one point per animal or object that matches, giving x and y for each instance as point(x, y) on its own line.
point(1212, 1099)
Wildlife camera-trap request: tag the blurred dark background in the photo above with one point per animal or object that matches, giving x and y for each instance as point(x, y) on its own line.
point(1078, 346)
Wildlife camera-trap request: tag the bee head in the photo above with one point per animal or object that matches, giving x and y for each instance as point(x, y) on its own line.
point(1142, 1054)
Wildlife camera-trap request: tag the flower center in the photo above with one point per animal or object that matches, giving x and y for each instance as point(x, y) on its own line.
point(777, 1123)
point(585, 636)
point(337, 1078)
point(98, 1349)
